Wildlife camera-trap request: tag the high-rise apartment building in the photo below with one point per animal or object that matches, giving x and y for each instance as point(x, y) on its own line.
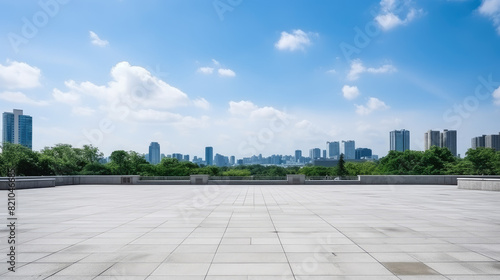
point(154, 153)
point(363, 153)
point(449, 140)
point(492, 141)
point(432, 138)
point(399, 140)
point(315, 153)
point(445, 139)
point(349, 149)
point(478, 142)
point(298, 155)
point(209, 156)
point(17, 128)
point(333, 149)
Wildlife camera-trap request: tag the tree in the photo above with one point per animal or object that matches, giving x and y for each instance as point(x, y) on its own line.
point(341, 169)
point(485, 161)
point(22, 159)
point(120, 163)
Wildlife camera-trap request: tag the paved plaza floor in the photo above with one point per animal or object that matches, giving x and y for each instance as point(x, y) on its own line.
point(282, 232)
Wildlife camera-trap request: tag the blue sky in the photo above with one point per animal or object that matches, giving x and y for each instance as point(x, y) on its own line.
point(250, 77)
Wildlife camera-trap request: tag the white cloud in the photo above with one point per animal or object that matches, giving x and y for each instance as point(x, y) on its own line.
point(19, 75)
point(496, 96)
point(297, 40)
point(396, 12)
point(206, 70)
point(132, 91)
point(215, 62)
point(357, 68)
point(331, 71)
point(226, 73)
point(66, 97)
point(491, 10)
point(350, 92)
point(373, 104)
point(82, 111)
point(242, 108)
point(95, 40)
point(201, 103)
point(19, 97)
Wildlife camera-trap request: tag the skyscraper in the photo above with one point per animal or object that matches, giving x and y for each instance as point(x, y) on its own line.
point(349, 149)
point(17, 128)
point(399, 140)
point(478, 142)
point(154, 153)
point(315, 153)
point(363, 153)
point(432, 138)
point(298, 155)
point(209, 155)
point(449, 140)
point(333, 149)
point(492, 141)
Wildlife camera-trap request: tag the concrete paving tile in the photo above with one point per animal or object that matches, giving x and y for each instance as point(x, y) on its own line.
point(131, 269)
point(84, 269)
point(182, 269)
point(276, 269)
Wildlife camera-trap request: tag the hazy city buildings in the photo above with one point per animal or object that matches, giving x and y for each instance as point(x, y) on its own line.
point(486, 141)
point(349, 149)
point(154, 153)
point(17, 128)
point(445, 139)
point(363, 153)
point(298, 155)
point(209, 156)
point(478, 142)
point(399, 140)
point(315, 153)
point(333, 149)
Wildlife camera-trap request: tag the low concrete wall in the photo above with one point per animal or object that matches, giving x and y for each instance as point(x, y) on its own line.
point(28, 183)
point(200, 179)
point(413, 179)
point(481, 184)
point(298, 179)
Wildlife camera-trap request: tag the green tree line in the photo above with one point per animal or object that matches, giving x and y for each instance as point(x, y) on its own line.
point(63, 159)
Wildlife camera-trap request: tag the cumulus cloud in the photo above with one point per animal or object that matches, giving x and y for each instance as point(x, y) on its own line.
point(496, 96)
point(133, 92)
point(226, 73)
point(206, 70)
point(19, 97)
point(96, 41)
point(201, 103)
point(373, 104)
point(82, 111)
point(248, 109)
point(394, 13)
point(297, 40)
point(357, 68)
point(19, 75)
point(350, 92)
point(241, 108)
point(491, 10)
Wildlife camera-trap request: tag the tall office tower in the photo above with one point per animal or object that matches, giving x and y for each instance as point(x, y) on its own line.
point(17, 128)
point(363, 153)
point(333, 149)
point(315, 153)
point(349, 149)
point(432, 138)
point(177, 156)
point(232, 160)
point(298, 155)
point(154, 153)
point(492, 141)
point(324, 154)
point(449, 140)
point(478, 142)
point(399, 140)
point(209, 155)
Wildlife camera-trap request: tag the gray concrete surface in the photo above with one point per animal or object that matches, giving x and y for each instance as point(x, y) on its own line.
point(211, 232)
point(479, 184)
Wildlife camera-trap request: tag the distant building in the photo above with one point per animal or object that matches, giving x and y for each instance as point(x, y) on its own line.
point(17, 128)
point(445, 139)
point(363, 153)
point(177, 156)
point(315, 153)
point(349, 149)
point(232, 160)
point(492, 141)
point(209, 155)
point(220, 160)
point(333, 149)
point(449, 140)
point(399, 140)
point(432, 138)
point(185, 158)
point(298, 155)
point(478, 142)
point(324, 154)
point(154, 153)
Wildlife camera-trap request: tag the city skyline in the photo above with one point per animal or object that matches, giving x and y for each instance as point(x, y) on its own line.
point(193, 75)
